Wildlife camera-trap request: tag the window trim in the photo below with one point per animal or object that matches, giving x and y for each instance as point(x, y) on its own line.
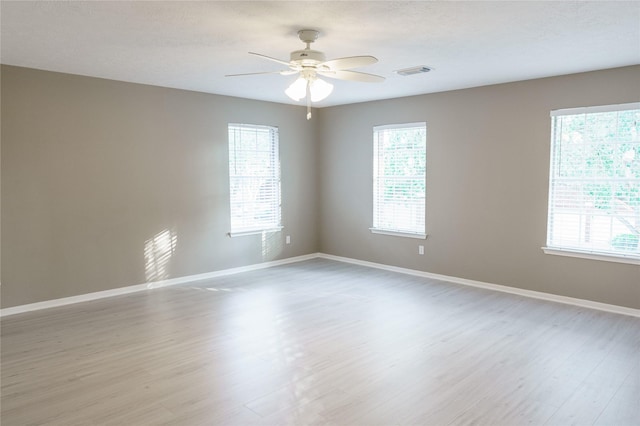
point(595, 109)
point(255, 232)
point(593, 255)
point(573, 251)
point(393, 232)
point(399, 234)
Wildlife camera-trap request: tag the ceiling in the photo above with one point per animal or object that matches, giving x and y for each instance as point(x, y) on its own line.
point(192, 45)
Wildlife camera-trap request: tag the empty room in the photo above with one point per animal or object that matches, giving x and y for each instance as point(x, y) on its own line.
point(320, 213)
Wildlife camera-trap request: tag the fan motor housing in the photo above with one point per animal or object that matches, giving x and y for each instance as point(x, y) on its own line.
point(307, 57)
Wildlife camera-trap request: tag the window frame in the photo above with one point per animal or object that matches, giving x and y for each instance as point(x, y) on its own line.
point(376, 228)
point(275, 175)
point(572, 250)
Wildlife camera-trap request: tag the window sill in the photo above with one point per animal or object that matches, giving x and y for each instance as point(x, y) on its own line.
point(398, 234)
point(254, 232)
point(634, 260)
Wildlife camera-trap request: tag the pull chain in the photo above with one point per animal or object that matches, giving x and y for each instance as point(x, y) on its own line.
point(308, 100)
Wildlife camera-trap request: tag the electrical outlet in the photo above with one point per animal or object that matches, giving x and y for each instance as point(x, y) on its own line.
point(288, 239)
point(421, 250)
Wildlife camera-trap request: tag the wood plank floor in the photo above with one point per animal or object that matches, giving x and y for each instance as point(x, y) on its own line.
point(320, 342)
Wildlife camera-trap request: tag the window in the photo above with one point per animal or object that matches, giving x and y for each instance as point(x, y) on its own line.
point(399, 179)
point(254, 178)
point(594, 192)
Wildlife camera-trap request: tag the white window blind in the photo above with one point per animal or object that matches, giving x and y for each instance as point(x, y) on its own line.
point(594, 193)
point(399, 178)
point(254, 178)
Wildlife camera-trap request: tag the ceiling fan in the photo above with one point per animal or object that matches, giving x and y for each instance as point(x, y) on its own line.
point(310, 64)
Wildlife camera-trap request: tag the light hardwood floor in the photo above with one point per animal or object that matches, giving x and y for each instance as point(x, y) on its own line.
point(320, 342)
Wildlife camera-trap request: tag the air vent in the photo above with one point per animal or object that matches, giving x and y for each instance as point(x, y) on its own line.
point(413, 70)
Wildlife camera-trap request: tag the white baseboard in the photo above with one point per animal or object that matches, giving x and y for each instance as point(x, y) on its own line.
point(209, 275)
point(148, 286)
point(623, 310)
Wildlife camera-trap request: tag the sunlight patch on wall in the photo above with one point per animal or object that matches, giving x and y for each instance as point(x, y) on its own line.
point(271, 245)
point(157, 254)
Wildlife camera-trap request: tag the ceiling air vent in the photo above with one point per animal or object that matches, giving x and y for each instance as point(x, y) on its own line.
point(413, 70)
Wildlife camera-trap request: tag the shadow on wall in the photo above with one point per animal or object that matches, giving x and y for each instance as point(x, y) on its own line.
point(157, 254)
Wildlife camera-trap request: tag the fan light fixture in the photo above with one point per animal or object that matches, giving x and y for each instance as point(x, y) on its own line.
point(319, 89)
point(309, 86)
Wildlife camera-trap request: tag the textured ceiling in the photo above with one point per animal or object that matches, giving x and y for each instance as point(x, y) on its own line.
point(192, 45)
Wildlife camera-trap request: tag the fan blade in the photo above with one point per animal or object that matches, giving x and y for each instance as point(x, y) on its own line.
point(353, 76)
point(350, 62)
point(269, 58)
point(283, 72)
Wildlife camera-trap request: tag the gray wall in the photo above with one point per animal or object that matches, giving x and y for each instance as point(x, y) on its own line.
point(93, 170)
point(487, 185)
